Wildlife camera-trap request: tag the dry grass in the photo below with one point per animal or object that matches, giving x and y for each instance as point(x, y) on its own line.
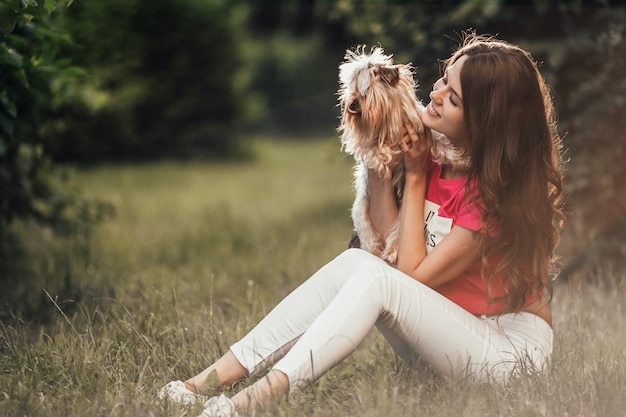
point(197, 254)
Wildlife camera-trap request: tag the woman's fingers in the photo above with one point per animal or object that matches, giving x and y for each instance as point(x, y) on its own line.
point(406, 143)
point(411, 136)
point(416, 148)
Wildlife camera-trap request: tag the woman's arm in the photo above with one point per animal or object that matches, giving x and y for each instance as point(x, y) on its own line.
point(455, 253)
point(411, 244)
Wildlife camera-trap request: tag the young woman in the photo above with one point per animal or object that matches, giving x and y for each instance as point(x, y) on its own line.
point(478, 305)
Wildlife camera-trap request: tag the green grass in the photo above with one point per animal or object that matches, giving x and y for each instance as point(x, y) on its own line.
point(198, 253)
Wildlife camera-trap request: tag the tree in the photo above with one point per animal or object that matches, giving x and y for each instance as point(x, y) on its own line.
point(162, 80)
point(30, 67)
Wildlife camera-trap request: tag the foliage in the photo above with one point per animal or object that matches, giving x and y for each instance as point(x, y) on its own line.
point(30, 72)
point(297, 45)
point(173, 78)
point(162, 80)
point(293, 99)
point(589, 80)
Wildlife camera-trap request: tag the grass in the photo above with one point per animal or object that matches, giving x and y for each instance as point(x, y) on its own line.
point(197, 254)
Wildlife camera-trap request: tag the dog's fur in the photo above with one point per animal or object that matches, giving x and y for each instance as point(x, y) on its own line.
point(377, 97)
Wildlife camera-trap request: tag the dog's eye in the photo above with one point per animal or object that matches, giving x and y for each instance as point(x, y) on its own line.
point(354, 107)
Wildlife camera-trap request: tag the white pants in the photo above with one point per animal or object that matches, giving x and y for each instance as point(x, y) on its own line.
point(327, 317)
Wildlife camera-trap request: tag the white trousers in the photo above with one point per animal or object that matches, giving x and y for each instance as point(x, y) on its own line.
point(327, 317)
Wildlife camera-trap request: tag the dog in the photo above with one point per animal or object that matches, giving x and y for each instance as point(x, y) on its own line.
point(377, 97)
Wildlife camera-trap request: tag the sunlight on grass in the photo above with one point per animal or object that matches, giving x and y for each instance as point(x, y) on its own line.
point(197, 253)
point(158, 201)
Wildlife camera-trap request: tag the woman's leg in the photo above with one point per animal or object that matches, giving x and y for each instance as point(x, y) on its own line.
point(227, 369)
point(416, 320)
point(272, 338)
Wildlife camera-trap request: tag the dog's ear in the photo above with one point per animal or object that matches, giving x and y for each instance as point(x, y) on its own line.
point(390, 75)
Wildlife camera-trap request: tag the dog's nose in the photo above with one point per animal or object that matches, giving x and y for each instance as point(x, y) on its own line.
point(354, 107)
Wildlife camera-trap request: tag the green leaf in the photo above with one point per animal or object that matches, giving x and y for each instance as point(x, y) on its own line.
point(6, 125)
point(50, 5)
point(9, 57)
point(212, 384)
point(14, 58)
point(8, 19)
point(29, 3)
point(8, 105)
point(212, 380)
point(73, 71)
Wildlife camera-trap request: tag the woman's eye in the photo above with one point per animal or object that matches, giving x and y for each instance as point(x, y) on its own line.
point(442, 82)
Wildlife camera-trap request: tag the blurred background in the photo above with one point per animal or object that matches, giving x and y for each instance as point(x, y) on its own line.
point(92, 82)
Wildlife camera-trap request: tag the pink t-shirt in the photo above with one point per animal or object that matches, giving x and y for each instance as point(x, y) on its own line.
point(446, 207)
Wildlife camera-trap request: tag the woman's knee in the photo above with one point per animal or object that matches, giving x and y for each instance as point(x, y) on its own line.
point(370, 271)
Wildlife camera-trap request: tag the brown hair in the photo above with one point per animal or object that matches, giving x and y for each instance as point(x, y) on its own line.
point(516, 159)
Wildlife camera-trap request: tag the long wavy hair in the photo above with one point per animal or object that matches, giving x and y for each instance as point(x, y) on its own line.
point(516, 159)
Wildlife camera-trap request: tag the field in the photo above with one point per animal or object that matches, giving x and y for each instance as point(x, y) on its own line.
point(197, 253)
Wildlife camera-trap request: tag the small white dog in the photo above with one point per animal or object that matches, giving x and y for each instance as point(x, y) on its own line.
point(377, 97)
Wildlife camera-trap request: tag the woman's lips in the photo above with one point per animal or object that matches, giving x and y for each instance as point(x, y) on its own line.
point(431, 110)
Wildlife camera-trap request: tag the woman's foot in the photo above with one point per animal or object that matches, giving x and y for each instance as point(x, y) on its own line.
point(220, 406)
point(222, 374)
point(176, 392)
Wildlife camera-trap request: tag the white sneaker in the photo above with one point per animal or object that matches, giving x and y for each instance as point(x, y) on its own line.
point(220, 406)
point(176, 392)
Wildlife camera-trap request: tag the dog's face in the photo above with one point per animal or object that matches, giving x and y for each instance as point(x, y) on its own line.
point(367, 80)
point(376, 98)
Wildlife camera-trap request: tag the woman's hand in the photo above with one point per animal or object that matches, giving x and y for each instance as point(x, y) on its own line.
point(416, 150)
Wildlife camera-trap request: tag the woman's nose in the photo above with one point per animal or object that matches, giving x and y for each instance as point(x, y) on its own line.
point(435, 94)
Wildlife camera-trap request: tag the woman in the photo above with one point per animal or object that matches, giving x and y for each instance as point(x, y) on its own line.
point(478, 305)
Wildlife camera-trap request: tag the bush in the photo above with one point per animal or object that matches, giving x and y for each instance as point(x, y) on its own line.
point(32, 189)
point(30, 68)
point(162, 81)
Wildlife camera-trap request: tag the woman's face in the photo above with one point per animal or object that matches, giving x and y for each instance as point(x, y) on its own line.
point(444, 113)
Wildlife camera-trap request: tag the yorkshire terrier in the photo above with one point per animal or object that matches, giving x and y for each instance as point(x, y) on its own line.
point(377, 98)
